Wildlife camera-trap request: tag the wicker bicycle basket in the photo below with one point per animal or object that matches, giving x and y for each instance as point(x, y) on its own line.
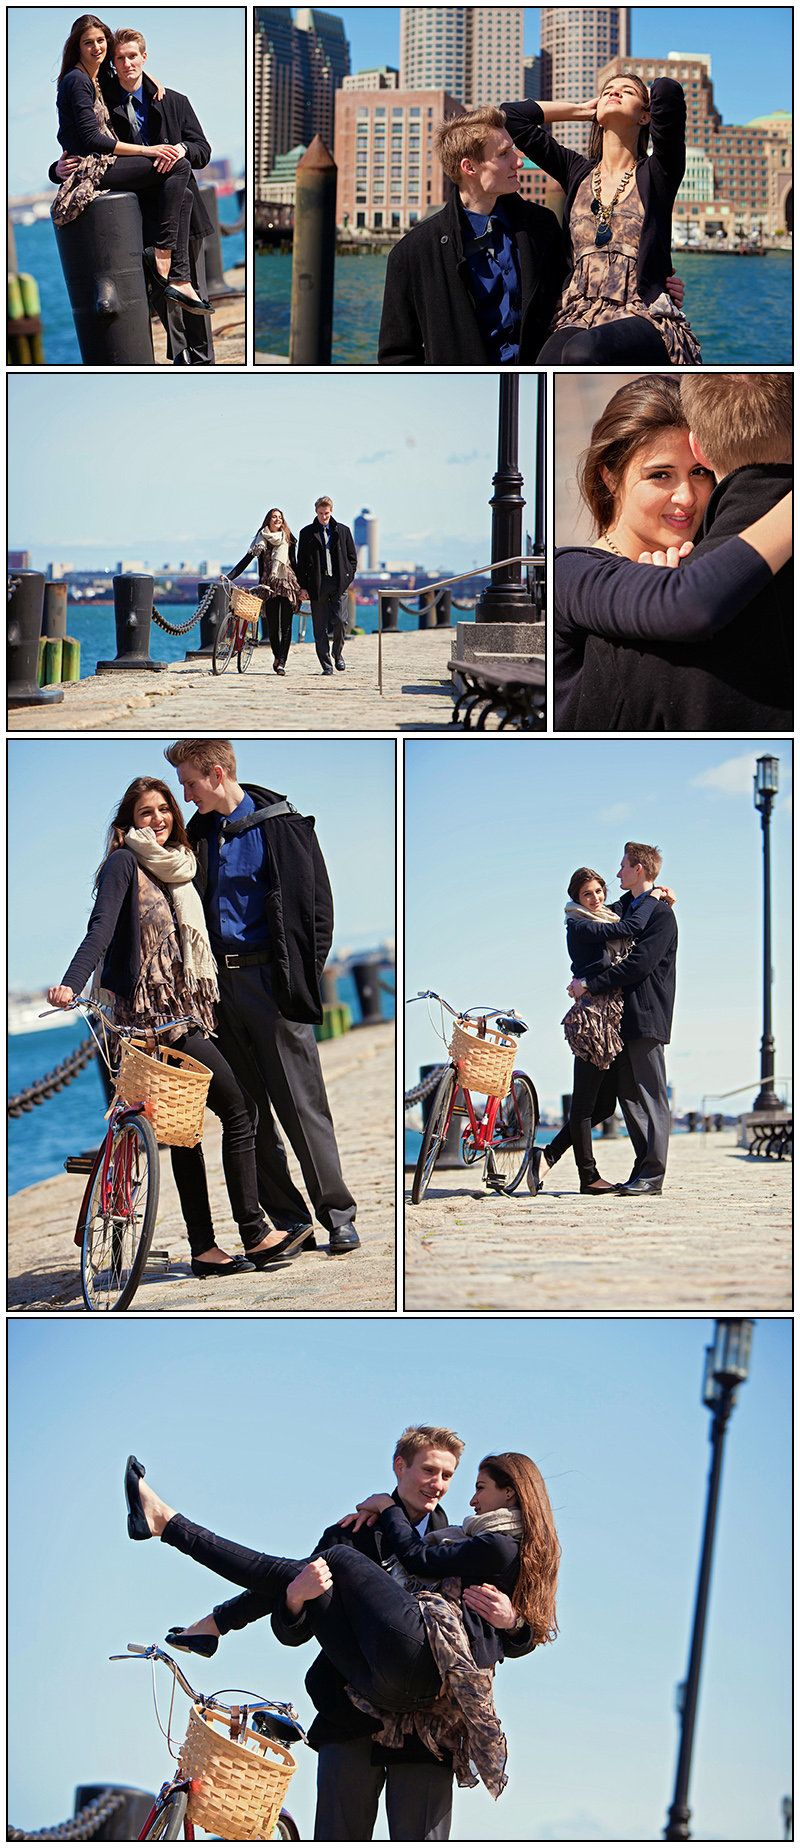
point(242, 1787)
point(484, 1064)
point(245, 603)
point(173, 1086)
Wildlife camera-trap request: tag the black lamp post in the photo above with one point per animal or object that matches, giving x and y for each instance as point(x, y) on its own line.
point(507, 599)
point(765, 788)
point(726, 1369)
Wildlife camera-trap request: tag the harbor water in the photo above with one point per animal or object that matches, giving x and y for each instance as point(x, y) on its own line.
point(37, 256)
point(740, 308)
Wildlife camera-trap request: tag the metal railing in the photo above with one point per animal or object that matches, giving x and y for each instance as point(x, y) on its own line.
point(497, 564)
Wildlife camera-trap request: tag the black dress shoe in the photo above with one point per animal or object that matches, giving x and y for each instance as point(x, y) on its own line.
point(327, 670)
point(339, 665)
point(277, 669)
point(344, 1238)
point(137, 1525)
point(191, 1645)
point(290, 1246)
point(203, 1269)
point(640, 1187)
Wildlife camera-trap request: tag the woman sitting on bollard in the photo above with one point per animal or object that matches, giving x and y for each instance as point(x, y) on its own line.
point(275, 548)
point(148, 944)
point(97, 162)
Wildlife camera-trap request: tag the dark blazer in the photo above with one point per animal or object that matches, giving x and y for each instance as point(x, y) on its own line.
point(171, 120)
point(311, 557)
point(739, 677)
point(657, 177)
point(298, 903)
point(113, 930)
point(429, 316)
point(587, 939)
point(646, 977)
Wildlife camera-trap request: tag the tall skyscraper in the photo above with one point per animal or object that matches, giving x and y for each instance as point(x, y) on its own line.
point(576, 43)
point(474, 52)
point(298, 69)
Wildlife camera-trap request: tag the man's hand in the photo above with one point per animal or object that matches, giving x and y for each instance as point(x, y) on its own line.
point(672, 556)
point(66, 165)
point(167, 156)
point(576, 988)
point(491, 1604)
point(314, 1579)
point(676, 289)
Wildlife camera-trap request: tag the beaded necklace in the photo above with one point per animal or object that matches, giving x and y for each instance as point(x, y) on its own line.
point(603, 212)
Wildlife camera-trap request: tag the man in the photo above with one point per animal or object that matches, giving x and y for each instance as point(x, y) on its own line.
point(326, 566)
point(269, 910)
point(477, 282)
point(352, 1771)
point(647, 979)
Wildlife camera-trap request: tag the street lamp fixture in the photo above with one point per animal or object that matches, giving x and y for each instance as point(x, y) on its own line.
point(727, 1363)
point(765, 789)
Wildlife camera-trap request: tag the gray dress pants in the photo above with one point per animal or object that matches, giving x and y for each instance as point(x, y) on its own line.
point(641, 1075)
point(419, 1798)
point(277, 1064)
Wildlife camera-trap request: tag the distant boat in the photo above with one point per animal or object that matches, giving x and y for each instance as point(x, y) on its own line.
point(24, 1010)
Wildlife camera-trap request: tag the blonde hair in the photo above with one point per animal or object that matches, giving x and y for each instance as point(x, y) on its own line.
point(740, 417)
point(648, 858)
point(206, 753)
point(127, 32)
point(464, 137)
point(427, 1437)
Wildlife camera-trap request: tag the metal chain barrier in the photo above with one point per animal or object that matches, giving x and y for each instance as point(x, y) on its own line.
point(421, 1090)
point(429, 606)
point(13, 584)
point(52, 1082)
point(80, 1828)
point(202, 606)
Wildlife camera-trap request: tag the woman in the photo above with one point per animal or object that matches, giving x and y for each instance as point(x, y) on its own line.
point(147, 935)
point(596, 937)
point(275, 548)
point(647, 494)
point(616, 306)
point(103, 164)
point(401, 1647)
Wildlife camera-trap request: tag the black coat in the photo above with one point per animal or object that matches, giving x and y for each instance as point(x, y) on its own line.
point(657, 178)
point(429, 316)
point(298, 903)
point(311, 557)
point(587, 939)
point(171, 120)
point(646, 977)
point(740, 678)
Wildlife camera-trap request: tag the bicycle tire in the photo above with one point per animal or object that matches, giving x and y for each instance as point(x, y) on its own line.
point(513, 1137)
point(224, 643)
point(115, 1244)
point(286, 1829)
point(170, 1818)
point(434, 1134)
point(245, 653)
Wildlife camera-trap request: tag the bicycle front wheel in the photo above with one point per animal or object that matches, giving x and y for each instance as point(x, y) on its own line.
point(224, 643)
point(513, 1137)
point(434, 1135)
point(169, 1818)
point(245, 654)
point(119, 1218)
point(286, 1829)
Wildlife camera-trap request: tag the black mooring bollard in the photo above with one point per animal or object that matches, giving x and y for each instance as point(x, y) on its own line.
point(54, 618)
point(427, 609)
point(366, 977)
point(444, 609)
point(313, 258)
point(209, 623)
point(390, 609)
point(101, 256)
point(22, 648)
point(217, 288)
point(127, 1821)
point(133, 610)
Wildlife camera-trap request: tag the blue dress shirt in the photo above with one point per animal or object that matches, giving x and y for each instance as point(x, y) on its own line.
point(237, 883)
point(496, 282)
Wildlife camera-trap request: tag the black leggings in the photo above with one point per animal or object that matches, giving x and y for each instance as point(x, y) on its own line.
point(594, 1098)
point(631, 339)
point(235, 1111)
point(278, 617)
point(173, 206)
point(368, 1625)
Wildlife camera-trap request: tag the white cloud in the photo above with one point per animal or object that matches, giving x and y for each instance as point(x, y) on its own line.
point(734, 775)
point(619, 812)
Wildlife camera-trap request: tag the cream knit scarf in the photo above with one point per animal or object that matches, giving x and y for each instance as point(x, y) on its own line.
point(499, 1521)
point(175, 867)
point(619, 947)
point(278, 541)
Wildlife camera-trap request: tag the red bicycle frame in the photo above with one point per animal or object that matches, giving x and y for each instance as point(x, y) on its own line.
point(122, 1202)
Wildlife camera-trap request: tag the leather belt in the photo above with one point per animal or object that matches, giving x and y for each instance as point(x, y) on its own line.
point(245, 959)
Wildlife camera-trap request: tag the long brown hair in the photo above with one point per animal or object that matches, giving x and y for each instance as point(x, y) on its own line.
point(122, 820)
point(596, 132)
point(284, 522)
point(539, 1548)
point(71, 54)
point(632, 418)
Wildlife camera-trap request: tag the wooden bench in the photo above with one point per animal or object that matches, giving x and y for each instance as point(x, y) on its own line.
point(514, 695)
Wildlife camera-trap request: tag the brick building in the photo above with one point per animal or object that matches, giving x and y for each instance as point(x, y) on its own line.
point(389, 175)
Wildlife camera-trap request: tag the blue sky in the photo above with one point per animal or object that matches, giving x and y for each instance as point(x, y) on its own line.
point(419, 450)
point(493, 840)
point(239, 1423)
point(56, 840)
point(201, 53)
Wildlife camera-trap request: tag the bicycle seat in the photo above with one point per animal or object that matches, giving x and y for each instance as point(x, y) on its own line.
point(508, 1023)
point(276, 1726)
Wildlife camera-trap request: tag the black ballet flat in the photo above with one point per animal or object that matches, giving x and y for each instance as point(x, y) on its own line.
point(191, 1645)
point(201, 1269)
point(137, 1525)
point(535, 1171)
point(190, 303)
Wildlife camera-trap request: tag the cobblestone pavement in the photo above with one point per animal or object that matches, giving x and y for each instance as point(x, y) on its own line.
point(359, 1074)
point(717, 1241)
point(189, 698)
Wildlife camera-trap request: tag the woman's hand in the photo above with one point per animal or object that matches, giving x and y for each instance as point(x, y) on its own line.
point(314, 1579)
point(672, 556)
point(60, 997)
point(367, 1511)
point(676, 289)
point(576, 988)
point(665, 892)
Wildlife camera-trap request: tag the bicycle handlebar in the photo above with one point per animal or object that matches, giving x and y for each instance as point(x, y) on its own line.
point(508, 1021)
point(95, 1007)
point(150, 1652)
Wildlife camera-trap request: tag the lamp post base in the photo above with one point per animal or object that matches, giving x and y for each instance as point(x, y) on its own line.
point(677, 1829)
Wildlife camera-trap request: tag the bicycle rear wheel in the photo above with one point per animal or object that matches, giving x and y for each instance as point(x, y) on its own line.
point(224, 643)
point(434, 1135)
point(169, 1820)
point(513, 1136)
point(245, 654)
point(118, 1221)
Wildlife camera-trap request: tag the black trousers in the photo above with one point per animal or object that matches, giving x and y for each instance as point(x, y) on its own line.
point(594, 1097)
point(173, 205)
point(642, 1089)
point(190, 341)
point(235, 1111)
point(419, 1797)
point(329, 616)
point(278, 617)
point(633, 339)
point(367, 1624)
point(277, 1064)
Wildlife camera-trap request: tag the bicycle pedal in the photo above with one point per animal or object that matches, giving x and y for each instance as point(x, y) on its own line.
point(81, 1164)
point(158, 1260)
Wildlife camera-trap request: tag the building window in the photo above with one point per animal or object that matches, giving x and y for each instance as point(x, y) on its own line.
point(361, 221)
point(378, 221)
point(395, 221)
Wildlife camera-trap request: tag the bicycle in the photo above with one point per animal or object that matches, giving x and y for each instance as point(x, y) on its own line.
point(238, 631)
point(274, 1722)
point(118, 1210)
point(504, 1135)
